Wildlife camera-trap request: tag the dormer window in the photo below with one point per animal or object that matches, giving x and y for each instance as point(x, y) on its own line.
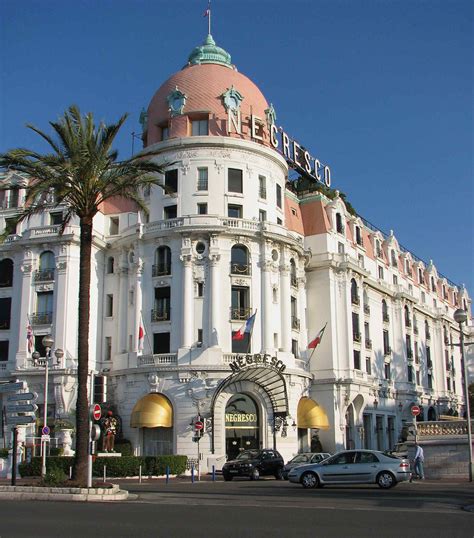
point(358, 236)
point(378, 250)
point(420, 276)
point(393, 255)
point(199, 127)
point(339, 225)
point(433, 285)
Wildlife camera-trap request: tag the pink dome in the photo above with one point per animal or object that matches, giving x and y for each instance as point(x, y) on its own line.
point(203, 85)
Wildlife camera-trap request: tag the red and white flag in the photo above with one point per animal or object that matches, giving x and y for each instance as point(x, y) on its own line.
point(316, 341)
point(141, 337)
point(246, 328)
point(29, 338)
point(208, 10)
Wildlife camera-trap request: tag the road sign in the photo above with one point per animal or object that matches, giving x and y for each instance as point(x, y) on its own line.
point(21, 408)
point(415, 410)
point(198, 425)
point(25, 419)
point(45, 430)
point(12, 387)
point(96, 412)
point(22, 396)
point(46, 438)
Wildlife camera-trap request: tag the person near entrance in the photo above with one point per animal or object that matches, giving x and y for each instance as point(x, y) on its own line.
point(110, 426)
point(419, 460)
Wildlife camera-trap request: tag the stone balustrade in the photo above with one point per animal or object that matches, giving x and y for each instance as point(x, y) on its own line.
point(442, 428)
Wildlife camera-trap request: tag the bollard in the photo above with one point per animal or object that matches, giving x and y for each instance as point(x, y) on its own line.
point(70, 472)
point(213, 473)
point(167, 474)
point(140, 474)
point(192, 473)
point(105, 473)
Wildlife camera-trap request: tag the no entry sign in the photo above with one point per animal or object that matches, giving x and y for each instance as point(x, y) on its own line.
point(415, 410)
point(96, 412)
point(198, 425)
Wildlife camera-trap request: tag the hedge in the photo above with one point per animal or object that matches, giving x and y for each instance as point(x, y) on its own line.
point(116, 467)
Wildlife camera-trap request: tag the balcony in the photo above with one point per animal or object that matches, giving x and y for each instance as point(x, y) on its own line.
point(366, 309)
point(161, 269)
point(161, 314)
point(44, 275)
point(295, 323)
point(41, 318)
point(237, 313)
point(239, 269)
point(368, 343)
point(355, 299)
point(356, 336)
point(157, 360)
point(385, 317)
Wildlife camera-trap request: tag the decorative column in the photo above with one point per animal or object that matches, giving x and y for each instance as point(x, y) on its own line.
point(61, 296)
point(25, 308)
point(285, 302)
point(188, 307)
point(122, 303)
point(266, 315)
point(137, 297)
point(216, 314)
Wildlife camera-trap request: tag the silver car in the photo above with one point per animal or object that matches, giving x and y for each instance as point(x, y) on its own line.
point(301, 459)
point(353, 467)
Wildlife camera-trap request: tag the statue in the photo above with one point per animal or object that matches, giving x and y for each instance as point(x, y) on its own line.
point(109, 431)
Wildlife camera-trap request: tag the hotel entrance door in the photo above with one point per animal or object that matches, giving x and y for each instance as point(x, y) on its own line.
point(241, 425)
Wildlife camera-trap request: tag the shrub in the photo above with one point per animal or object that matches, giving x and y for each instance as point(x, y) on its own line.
point(33, 468)
point(124, 447)
point(55, 476)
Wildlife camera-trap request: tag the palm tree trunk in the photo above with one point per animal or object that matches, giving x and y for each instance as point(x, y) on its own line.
point(82, 405)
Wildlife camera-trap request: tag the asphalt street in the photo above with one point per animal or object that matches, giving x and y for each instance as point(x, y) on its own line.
point(243, 508)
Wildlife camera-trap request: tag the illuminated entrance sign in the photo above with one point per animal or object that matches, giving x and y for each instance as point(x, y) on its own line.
point(297, 156)
point(244, 361)
point(242, 420)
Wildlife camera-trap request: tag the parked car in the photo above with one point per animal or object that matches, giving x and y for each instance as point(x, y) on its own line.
point(254, 463)
point(353, 467)
point(301, 459)
point(400, 450)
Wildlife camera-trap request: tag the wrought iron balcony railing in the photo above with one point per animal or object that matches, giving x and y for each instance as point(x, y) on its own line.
point(161, 314)
point(295, 323)
point(239, 268)
point(41, 318)
point(161, 269)
point(237, 313)
point(44, 275)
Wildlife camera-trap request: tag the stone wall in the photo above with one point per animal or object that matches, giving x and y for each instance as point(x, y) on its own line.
point(444, 458)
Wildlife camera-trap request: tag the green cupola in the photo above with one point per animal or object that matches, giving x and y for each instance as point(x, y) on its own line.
point(210, 53)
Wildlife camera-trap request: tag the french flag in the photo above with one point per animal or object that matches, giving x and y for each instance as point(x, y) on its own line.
point(246, 328)
point(141, 337)
point(314, 343)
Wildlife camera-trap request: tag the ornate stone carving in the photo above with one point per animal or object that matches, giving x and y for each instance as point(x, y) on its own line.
point(157, 383)
point(185, 166)
point(61, 266)
point(26, 268)
point(214, 259)
point(218, 166)
point(186, 259)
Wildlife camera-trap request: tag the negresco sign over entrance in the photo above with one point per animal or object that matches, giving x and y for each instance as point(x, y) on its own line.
point(244, 361)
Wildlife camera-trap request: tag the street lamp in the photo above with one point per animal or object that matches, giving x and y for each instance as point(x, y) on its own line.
point(460, 316)
point(47, 342)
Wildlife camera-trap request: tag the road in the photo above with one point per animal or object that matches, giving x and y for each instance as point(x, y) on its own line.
point(246, 509)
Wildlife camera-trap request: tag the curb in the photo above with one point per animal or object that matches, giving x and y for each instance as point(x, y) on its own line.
point(28, 493)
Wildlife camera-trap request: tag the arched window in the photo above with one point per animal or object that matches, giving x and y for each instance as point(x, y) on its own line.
point(110, 264)
point(162, 264)
point(339, 224)
point(239, 260)
point(407, 317)
point(354, 292)
point(293, 272)
point(46, 267)
point(385, 316)
point(6, 273)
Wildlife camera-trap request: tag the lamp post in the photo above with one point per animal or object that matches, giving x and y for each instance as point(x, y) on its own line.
point(460, 317)
point(47, 342)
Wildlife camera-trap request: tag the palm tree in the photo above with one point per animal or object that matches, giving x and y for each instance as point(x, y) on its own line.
point(82, 172)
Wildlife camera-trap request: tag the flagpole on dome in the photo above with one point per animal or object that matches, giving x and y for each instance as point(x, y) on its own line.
point(207, 14)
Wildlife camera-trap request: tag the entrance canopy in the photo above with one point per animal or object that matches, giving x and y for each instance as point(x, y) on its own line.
point(270, 379)
point(152, 411)
point(311, 415)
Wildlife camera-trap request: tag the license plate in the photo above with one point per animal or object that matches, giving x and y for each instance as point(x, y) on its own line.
point(234, 471)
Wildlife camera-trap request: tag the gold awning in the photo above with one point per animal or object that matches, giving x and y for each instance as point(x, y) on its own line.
point(152, 411)
point(311, 415)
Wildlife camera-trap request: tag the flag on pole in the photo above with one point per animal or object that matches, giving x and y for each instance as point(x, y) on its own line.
point(246, 328)
point(141, 337)
point(29, 338)
point(208, 10)
point(314, 343)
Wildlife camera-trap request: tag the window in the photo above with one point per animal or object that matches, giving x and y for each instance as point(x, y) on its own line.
point(358, 236)
point(429, 363)
point(199, 338)
point(410, 377)
point(202, 179)
point(109, 305)
point(4, 345)
point(368, 341)
point(278, 196)
point(355, 327)
point(10, 226)
point(161, 343)
point(279, 221)
point(417, 376)
point(395, 280)
point(423, 297)
point(430, 381)
point(385, 316)
point(354, 293)
point(46, 267)
point(387, 371)
point(368, 365)
point(6, 273)
point(262, 215)
point(360, 259)
point(339, 225)
point(199, 127)
point(56, 218)
point(202, 209)
point(356, 359)
point(408, 346)
point(386, 343)
point(294, 348)
point(108, 348)
point(200, 289)
point(240, 303)
point(13, 198)
point(162, 265)
point(234, 211)
point(340, 248)
point(5, 313)
point(171, 181)
point(433, 285)
point(295, 322)
point(427, 331)
point(110, 265)
point(393, 256)
point(417, 353)
point(162, 310)
point(262, 187)
point(241, 346)
point(420, 276)
point(380, 272)
point(165, 133)
point(378, 250)
point(448, 383)
point(113, 225)
point(39, 345)
point(170, 212)
point(239, 260)
point(44, 308)
point(407, 316)
point(235, 180)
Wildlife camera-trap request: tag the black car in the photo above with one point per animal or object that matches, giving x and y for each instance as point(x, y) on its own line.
point(253, 463)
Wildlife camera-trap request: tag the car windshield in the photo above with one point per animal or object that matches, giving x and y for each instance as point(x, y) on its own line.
point(300, 458)
point(247, 455)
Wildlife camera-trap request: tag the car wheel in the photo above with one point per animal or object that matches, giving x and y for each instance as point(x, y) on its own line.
point(279, 473)
point(255, 474)
point(227, 477)
point(386, 480)
point(309, 480)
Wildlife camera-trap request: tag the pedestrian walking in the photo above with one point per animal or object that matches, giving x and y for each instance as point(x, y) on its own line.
point(419, 460)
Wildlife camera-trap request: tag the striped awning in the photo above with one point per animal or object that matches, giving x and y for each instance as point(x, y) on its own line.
point(152, 411)
point(311, 415)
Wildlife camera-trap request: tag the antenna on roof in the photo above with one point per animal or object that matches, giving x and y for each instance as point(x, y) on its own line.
point(207, 14)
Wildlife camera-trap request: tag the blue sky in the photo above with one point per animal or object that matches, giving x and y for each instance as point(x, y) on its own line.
point(380, 90)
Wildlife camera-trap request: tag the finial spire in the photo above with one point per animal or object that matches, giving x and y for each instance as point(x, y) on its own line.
point(207, 14)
